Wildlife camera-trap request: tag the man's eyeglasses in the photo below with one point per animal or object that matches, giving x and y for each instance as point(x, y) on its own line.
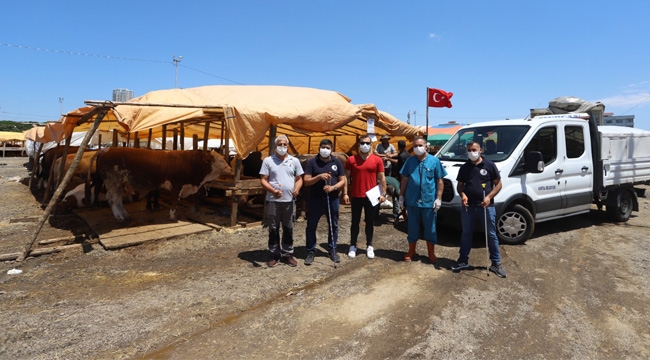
point(365, 143)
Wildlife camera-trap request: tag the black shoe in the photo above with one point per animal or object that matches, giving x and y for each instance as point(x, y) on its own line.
point(459, 265)
point(335, 257)
point(310, 258)
point(498, 269)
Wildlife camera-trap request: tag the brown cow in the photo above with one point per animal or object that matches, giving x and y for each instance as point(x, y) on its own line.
point(47, 161)
point(82, 169)
point(183, 173)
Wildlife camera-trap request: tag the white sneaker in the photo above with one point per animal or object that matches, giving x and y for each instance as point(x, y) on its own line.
point(370, 252)
point(353, 252)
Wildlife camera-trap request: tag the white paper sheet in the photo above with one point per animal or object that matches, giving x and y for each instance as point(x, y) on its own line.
point(373, 195)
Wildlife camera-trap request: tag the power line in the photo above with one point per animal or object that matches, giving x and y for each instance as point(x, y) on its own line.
point(76, 53)
point(81, 54)
point(216, 76)
point(642, 101)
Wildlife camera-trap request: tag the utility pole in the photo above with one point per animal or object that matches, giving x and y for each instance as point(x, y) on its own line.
point(415, 119)
point(408, 117)
point(61, 105)
point(176, 60)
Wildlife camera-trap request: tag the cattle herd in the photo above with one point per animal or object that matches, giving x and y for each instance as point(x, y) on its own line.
point(115, 175)
point(122, 174)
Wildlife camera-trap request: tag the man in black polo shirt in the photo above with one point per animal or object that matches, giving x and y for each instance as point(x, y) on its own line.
point(325, 176)
point(471, 177)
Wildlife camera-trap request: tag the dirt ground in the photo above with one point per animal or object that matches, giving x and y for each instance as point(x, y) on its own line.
point(578, 289)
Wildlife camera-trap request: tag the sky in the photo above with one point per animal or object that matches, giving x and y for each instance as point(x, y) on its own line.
point(499, 58)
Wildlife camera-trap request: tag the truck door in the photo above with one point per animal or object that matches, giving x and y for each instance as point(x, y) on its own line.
point(577, 176)
point(544, 188)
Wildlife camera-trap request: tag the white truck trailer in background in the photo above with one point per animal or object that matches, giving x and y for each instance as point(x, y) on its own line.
point(553, 164)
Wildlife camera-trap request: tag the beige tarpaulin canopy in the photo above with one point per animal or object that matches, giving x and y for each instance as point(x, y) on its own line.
point(51, 131)
point(245, 114)
point(10, 136)
point(73, 121)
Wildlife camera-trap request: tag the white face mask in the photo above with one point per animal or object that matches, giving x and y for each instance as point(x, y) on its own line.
point(324, 152)
point(281, 150)
point(419, 150)
point(364, 148)
point(473, 155)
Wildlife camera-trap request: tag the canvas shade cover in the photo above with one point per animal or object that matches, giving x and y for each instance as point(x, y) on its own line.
point(304, 114)
point(10, 136)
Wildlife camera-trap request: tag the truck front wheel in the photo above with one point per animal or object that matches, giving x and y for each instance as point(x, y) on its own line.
point(515, 225)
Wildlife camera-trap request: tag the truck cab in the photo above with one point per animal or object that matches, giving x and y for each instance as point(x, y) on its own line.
point(546, 167)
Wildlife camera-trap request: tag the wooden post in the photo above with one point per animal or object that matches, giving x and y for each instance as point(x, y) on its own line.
point(64, 157)
point(50, 177)
point(175, 141)
point(272, 132)
point(65, 181)
point(128, 140)
point(195, 142)
point(206, 133)
point(164, 137)
point(235, 198)
point(149, 139)
point(136, 141)
point(182, 136)
point(114, 143)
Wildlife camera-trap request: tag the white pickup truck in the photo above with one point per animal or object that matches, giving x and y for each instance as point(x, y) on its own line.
point(552, 165)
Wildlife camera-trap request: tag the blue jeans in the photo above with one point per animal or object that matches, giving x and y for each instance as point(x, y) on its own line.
point(421, 216)
point(468, 219)
point(316, 208)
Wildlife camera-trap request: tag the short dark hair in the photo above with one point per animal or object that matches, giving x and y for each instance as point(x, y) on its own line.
point(401, 144)
point(480, 146)
point(326, 142)
point(367, 136)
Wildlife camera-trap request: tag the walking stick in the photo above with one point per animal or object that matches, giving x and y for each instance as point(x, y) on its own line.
point(329, 214)
point(487, 248)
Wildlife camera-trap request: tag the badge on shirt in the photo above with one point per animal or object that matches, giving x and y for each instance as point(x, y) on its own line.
point(334, 168)
point(483, 172)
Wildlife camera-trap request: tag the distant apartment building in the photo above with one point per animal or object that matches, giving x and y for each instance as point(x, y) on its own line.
point(122, 95)
point(620, 120)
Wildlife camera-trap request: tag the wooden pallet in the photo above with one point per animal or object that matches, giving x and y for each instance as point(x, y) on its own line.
point(143, 227)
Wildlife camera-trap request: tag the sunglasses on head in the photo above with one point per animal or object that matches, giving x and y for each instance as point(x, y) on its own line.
point(365, 143)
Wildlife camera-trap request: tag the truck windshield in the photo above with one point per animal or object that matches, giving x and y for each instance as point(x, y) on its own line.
point(497, 142)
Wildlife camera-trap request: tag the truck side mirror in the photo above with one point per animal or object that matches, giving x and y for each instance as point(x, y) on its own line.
point(534, 162)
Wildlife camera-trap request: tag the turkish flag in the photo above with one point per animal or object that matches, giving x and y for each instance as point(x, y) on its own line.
point(438, 98)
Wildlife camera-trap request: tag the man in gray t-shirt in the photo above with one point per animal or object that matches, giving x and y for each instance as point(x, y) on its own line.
point(281, 177)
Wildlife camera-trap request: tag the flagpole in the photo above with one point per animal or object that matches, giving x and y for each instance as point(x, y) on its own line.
point(426, 129)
